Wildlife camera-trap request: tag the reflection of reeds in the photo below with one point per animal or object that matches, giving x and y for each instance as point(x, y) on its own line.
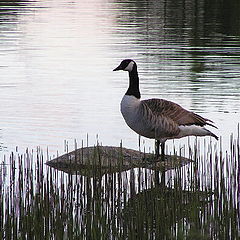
point(196, 201)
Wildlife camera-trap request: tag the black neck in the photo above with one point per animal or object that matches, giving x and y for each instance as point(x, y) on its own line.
point(133, 89)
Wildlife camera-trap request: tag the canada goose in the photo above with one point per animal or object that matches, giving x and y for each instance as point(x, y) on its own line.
point(158, 119)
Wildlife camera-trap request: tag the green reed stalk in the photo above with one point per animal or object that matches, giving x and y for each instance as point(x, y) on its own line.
point(197, 201)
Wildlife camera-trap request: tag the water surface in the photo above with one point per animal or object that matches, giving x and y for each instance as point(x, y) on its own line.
point(57, 84)
point(56, 61)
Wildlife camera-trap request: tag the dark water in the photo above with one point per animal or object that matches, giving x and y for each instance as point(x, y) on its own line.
point(56, 61)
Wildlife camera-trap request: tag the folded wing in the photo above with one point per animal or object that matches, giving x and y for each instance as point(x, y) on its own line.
point(176, 113)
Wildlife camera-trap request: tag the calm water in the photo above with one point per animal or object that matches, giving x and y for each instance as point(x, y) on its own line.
point(56, 61)
point(57, 84)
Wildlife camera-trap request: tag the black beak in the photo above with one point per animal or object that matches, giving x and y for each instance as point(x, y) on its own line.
point(118, 68)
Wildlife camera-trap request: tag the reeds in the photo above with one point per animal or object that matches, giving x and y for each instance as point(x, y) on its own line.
point(197, 201)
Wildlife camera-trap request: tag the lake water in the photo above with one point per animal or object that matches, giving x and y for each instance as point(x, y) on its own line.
point(57, 86)
point(57, 57)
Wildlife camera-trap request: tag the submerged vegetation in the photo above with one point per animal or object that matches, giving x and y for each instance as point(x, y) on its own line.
point(197, 201)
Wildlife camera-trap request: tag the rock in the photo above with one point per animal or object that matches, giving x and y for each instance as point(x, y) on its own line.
point(99, 160)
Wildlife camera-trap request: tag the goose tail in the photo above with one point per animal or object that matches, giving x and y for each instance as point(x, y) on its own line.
point(195, 130)
point(212, 134)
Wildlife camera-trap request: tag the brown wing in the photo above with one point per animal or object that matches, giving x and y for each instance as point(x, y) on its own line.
point(176, 113)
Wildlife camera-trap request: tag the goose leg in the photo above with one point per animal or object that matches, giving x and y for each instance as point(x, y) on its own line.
point(157, 148)
point(163, 148)
point(162, 151)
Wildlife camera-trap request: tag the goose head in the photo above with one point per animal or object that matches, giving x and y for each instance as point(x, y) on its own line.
point(126, 65)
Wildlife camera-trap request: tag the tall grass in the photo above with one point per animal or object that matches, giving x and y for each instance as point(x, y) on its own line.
point(197, 201)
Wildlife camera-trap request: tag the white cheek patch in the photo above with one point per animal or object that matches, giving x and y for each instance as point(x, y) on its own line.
point(129, 67)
